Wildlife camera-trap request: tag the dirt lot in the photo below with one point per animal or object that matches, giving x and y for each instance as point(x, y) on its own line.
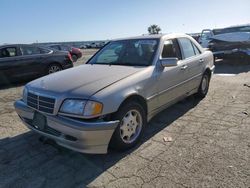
point(210, 145)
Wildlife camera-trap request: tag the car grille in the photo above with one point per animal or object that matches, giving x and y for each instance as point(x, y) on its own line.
point(41, 103)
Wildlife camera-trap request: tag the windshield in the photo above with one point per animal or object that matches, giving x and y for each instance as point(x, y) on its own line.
point(206, 34)
point(127, 52)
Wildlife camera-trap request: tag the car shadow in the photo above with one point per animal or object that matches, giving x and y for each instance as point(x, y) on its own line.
point(231, 67)
point(27, 160)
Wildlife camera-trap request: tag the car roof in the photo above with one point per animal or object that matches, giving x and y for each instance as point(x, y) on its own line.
point(10, 45)
point(155, 36)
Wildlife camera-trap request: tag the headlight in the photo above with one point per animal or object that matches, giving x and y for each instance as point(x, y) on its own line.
point(25, 94)
point(81, 107)
point(73, 106)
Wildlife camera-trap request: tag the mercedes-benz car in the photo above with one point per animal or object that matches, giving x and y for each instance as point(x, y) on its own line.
point(107, 102)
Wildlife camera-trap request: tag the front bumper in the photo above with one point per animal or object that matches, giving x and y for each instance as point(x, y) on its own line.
point(78, 135)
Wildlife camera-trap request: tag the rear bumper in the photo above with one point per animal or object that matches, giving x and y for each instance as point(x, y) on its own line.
point(81, 136)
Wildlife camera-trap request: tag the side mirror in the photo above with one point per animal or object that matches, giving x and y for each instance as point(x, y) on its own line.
point(169, 62)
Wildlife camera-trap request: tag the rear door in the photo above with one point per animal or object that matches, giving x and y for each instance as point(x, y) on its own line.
point(31, 59)
point(193, 59)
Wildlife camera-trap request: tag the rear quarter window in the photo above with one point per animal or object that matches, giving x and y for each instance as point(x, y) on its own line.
point(30, 50)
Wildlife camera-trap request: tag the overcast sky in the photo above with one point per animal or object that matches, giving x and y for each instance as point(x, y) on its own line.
point(27, 21)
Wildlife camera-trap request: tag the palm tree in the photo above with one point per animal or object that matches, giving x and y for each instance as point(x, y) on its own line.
point(154, 29)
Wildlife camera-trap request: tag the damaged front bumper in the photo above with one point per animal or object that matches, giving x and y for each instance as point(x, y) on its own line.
point(78, 135)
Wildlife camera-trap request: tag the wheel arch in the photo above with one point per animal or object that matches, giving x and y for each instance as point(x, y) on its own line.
point(208, 71)
point(137, 98)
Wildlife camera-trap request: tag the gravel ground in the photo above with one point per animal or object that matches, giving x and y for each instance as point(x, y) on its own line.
point(191, 144)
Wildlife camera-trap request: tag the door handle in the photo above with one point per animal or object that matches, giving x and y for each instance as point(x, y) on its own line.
point(201, 60)
point(184, 67)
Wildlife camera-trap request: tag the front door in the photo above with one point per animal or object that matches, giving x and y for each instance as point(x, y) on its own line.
point(10, 65)
point(171, 80)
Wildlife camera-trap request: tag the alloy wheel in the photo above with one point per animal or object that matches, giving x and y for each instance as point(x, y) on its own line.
point(54, 68)
point(204, 84)
point(131, 126)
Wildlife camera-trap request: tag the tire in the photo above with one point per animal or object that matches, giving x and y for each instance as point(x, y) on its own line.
point(133, 121)
point(74, 58)
point(204, 86)
point(52, 68)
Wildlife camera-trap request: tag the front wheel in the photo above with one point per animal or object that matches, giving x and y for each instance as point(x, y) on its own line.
point(204, 85)
point(130, 129)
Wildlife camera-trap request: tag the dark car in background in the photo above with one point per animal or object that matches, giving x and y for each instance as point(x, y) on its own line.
point(22, 61)
point(75, 52)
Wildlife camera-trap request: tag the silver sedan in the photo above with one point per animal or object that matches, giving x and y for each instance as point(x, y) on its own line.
point(109, 100)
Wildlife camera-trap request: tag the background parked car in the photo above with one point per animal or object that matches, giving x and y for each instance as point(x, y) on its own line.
point(75, 52)
point(20, 61)
point(83, 46)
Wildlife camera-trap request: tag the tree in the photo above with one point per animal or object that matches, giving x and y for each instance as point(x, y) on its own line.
point(154, 29)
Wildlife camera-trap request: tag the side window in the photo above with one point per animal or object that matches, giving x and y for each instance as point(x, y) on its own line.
point(186, 48)
point(171, 49)
point(196, 50)
point(44, 51)
point(8, 52)
point(30, 50)
point(65, 48)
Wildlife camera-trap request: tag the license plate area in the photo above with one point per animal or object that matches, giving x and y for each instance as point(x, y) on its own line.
point(39, 121)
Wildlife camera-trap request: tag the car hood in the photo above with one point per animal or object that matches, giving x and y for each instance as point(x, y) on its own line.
point(82, 81)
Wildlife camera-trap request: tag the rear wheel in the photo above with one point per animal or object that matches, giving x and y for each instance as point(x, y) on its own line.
point(53, 68)
point(130, 129)
point(204, 85)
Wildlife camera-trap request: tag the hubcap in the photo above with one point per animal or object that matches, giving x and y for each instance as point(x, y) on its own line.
point(204, 84)
point(54, 69)
point(131, 126)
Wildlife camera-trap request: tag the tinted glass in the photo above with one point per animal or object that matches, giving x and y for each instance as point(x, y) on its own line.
point(187, 47)
point(128, 52)
point(65, 48)
point(169, 49)
point(8, 52)
point(30, 50)
point(44, 50)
